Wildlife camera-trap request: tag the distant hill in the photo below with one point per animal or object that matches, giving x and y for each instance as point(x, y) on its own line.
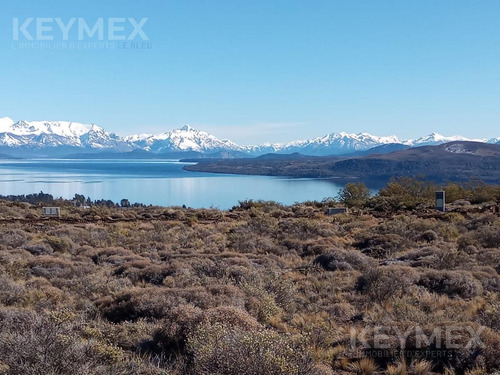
point(271, 156)
point(460, 160)
point(215, 156)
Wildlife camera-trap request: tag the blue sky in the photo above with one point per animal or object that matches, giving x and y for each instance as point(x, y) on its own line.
point(266, 70)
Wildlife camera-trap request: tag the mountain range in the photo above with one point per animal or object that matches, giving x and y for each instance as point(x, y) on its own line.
point(64, 138)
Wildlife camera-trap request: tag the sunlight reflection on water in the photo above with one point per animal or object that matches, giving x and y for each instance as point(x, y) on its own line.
point(153, 182)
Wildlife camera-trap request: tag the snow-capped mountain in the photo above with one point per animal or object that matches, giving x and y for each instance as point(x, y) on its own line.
point(494, 140)
point(5, 123)
point(434, 139)
point(183, 139)
point(57, 138)
point(265, 148)
point(337, 143)
point(189, 139)
point(36, 135)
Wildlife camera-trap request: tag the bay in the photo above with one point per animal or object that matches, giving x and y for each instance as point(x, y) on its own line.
point(157, 182)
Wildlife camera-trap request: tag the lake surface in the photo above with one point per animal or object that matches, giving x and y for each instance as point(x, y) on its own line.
point(157, 182)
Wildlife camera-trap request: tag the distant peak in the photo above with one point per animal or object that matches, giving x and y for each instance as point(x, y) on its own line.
point(186, 128)
point(5, 123)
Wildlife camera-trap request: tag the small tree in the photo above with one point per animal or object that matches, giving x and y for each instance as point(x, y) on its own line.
point(125, 203)
point(354, 194)
point(407, 193)
point(79, 199)
point(454, 191)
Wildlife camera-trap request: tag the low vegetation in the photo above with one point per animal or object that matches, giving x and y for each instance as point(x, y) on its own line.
point(392, 287)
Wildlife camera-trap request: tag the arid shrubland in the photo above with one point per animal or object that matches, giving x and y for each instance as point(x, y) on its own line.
point(260, 289)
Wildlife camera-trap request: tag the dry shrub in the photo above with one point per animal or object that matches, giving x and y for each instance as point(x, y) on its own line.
point(344, 261)
point(488, 278)
point(268, 295)
point(171, 339)
point(51, 267)
point(452, 283)
point(39, 248)
point(113, 255)
point(205, 267)
point(157, 303)
point(42, 294)
point(381, 246)
point(342, 311)
point(13, 238)
point(398, 368)
point(145, 271)
point(59, 244)
point(460, 348)
point(231, 316)
point(489, 314)
point(226, 350)
point(449, 258)
point(383, 283)
point(488, 236)
point(129, 336)
point(465, 241)
point(260, 303)
point(420, 257)
point(303, 229)
point(404, 345)
point(31, 344)
point(95, 286)
point(282, 290)
point(70, 233)
point(11, 293)
point(489, 257)
point(491, 350)
point(421, 367)
point(365, 366)
point(429, 236)
point(309, 247)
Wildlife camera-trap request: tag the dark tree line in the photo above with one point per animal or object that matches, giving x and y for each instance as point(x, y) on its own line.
point(78, 200)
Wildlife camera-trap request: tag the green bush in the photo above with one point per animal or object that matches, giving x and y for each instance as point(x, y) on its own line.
point(354, 194)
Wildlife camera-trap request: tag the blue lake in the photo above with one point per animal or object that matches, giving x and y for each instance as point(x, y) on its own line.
point(157, 182)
